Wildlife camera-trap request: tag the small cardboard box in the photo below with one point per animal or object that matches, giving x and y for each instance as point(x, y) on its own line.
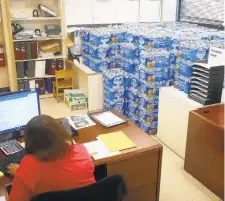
point(75, 99)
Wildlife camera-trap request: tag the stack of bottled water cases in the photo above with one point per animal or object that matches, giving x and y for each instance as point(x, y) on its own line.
point(114, 89)
point(189, 48)
point(136, 60)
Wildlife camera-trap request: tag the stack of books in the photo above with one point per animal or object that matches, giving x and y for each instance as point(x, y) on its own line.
point(26, 50)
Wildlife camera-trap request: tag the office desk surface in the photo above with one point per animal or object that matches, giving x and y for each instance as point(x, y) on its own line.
point(140, 163)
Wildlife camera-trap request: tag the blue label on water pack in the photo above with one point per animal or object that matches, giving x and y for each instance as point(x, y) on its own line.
point(127, 65)
point(114, 50)
point(85, 48)
point(140, 41)
point(129, 38)
point(98, 52)
point(114, 95)
point(133, 83)
point(115, 62)
point(149, 92)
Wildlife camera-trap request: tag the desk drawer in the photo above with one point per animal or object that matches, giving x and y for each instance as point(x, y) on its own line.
point(138, 171)
point(147, 193)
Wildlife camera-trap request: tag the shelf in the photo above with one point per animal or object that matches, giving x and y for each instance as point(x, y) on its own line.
point(46, 96)
point(36, 19)
point(41, 58)
point(31, 78)
point(38, 39)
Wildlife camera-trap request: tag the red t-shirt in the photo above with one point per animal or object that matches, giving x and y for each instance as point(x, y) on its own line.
point(34, 177)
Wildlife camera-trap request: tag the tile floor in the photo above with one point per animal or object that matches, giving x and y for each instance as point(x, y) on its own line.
point(176, 184)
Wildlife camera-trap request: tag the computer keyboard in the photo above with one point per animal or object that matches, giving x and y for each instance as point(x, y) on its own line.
point(12, 158)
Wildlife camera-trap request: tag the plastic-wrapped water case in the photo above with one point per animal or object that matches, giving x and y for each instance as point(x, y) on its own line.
point(147, 105)
point(114, 79)
point(150, 92)
point(148, 118)
point(117, 105)
point(98, 52)
point(184, 68)
point(182, 83)
point(152, 130)
point(99, 65)
point(116, 62)
point(113, 95)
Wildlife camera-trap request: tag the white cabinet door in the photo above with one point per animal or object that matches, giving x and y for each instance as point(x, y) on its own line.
point(78, 12)
point(104, 11)
point(127, 11)
point(169, 10)
point(149, 11)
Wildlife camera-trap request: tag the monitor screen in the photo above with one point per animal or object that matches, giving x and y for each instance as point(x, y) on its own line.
point(16, 109)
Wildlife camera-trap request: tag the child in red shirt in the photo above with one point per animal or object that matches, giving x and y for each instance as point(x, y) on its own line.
point(52, 162)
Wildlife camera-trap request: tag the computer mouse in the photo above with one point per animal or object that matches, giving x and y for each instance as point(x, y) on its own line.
point(1, 174)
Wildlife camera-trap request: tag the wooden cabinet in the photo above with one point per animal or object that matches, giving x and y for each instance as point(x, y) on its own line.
point(141, 176)
point(204, 157)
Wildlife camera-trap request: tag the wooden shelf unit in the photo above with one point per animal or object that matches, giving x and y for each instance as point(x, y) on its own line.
point(33, 78)
point(17, 6)
point(38, 39)
point(41, 58)
point(36, 19)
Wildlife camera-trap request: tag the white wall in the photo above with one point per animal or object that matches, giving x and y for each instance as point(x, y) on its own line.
point(117, 11)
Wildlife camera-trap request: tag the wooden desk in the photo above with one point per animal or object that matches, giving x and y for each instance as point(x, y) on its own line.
point(141, 166)
point(204, 158)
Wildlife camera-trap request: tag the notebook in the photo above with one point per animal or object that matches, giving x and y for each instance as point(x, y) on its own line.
point(108, 119)
point(116, 141)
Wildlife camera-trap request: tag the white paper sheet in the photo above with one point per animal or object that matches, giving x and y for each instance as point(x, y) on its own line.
point(98, 150)
point(2, 198)
point(108, 118)
point(80, 121)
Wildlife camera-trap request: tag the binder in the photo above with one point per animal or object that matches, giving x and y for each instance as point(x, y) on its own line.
point(40, 85)
point(30, 65)
point(47, 12)
point(34, 50)
point(59, 64)
point(26, 84)
point(51, 66)
point(20, 85)
point(32, 84)
point(40, 68)
point(20, 69)
point(23, 50)
point(28, 50)
point(48, 85)
point(17, 51)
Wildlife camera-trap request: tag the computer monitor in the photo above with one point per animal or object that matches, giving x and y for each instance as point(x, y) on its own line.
point(17, 109)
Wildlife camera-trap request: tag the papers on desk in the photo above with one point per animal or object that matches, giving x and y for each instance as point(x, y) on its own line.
point(80, 121)
point(116, 141)
point(98, 150)
point(108, 119)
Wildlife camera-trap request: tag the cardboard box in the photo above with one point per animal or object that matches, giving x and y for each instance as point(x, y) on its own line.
point(75, 99)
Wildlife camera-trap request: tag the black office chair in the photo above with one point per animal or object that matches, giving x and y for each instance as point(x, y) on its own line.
point(112, 188)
